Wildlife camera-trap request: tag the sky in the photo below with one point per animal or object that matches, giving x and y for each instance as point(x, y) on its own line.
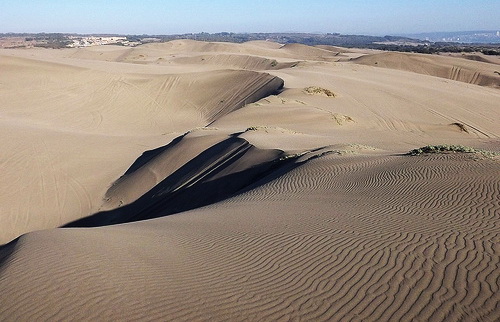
point(383, 17)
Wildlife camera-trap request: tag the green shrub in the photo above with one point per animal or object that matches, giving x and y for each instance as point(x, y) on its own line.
point(449, 148)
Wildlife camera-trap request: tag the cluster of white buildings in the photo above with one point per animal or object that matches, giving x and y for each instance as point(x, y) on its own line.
point(97, 41)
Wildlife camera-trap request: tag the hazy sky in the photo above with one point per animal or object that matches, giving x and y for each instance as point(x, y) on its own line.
point(169, 17)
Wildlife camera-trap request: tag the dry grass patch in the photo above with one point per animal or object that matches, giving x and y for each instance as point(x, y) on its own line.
point(342, 119)
point(267, 129)
point(315, 90)
point(445, 148)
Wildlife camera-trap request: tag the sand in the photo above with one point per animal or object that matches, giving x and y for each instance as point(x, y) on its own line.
point(255, 181)
point(475, 69)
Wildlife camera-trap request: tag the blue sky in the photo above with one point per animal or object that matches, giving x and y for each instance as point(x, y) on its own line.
point(169, 17)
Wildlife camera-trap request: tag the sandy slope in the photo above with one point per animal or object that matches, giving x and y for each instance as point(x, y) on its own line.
point(311, 210)
point(69, 132)
point(377, 238)
point(473, 71)
point(481, 58)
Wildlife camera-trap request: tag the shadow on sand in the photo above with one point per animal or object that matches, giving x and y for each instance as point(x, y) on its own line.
point(206, 179)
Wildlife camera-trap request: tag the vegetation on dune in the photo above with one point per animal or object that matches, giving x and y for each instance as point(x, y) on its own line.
point(450, 148)
point(341, 119)
point(270, 128)
point(436, 48)
point(314, 90)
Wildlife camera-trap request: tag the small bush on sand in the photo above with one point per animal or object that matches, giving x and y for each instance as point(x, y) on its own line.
point(314, 90)
point(461, 127)
point(449, 148)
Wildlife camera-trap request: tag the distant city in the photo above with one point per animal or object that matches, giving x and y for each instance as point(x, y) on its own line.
point(466, 37)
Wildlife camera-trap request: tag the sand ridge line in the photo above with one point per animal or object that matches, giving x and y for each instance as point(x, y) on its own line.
point(473, 72)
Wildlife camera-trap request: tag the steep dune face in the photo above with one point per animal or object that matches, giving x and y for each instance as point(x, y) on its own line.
point(156, 165)
point(216, 173)
point(237, 91)
point(473, 72)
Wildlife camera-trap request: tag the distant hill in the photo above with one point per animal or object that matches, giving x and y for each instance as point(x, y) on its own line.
point(311, 39)
point(333, 39)
point(487, 42)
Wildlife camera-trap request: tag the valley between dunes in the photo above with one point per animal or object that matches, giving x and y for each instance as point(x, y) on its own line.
point(257, 181)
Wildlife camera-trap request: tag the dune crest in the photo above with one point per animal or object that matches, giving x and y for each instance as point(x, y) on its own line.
point(236, 61)
point(154, 187)
point(472, 72)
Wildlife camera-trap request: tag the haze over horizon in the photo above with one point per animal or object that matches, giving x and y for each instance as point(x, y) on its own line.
point(172, 17)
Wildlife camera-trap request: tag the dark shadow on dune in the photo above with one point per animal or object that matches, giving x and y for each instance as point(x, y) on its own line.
point(151, 154)
point(199, 182)
point(6, 252)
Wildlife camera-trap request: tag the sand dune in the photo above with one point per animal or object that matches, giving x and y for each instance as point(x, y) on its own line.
point(256, 55)
point(480, 57)
point(150, 189)
point(473, 72)
point(60, 94)
point(327, 241)
point(307, 52)
point(259, 48)
point(78, 129)
point(249, 181)
point(236, 61)
point(336, 49)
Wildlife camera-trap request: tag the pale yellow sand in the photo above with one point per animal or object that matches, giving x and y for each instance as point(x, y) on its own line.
point(480, 71)
point(332, 221)
point(68, 132)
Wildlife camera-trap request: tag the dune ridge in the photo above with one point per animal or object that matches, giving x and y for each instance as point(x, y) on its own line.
point(237, 61)
point(480, 57)
point(216, 173)
point(478, 72)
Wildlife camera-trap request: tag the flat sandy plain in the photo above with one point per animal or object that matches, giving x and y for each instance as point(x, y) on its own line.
point(255, 181)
